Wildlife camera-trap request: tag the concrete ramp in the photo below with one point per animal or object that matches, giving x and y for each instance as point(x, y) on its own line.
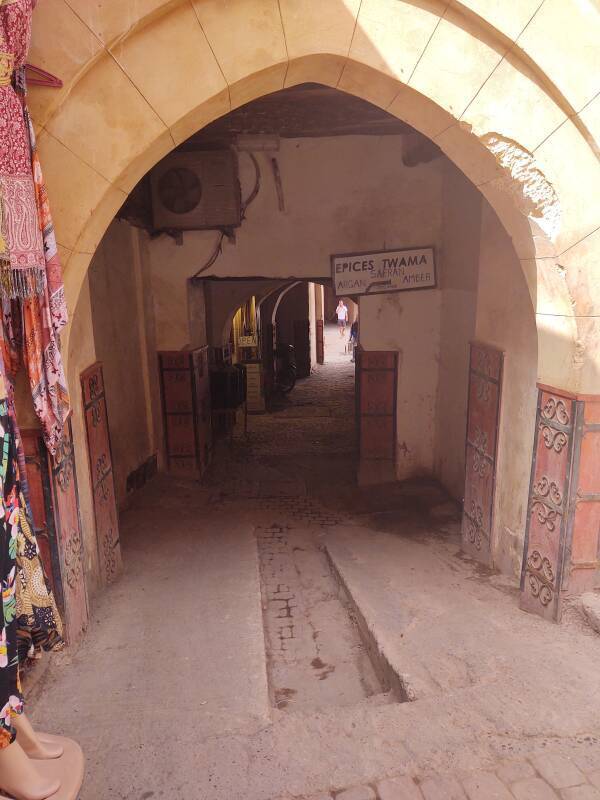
point(175, 655)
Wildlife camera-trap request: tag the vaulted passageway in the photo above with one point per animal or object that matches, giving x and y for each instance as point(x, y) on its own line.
point(325, 594)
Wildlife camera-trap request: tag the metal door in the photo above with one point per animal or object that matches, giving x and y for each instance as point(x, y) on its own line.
point(101, 472)
point(485, 386)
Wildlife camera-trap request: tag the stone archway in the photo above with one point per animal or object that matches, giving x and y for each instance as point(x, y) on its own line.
point(518, 123)
point(506, 113)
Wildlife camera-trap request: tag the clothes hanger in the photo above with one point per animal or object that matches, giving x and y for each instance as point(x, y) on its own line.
point(36, 76)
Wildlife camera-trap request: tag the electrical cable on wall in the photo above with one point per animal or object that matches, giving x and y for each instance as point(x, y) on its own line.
point(251, 197)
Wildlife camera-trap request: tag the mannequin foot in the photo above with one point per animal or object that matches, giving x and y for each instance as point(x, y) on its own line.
point(36, 746)
point(44, 749)
point(20, 778)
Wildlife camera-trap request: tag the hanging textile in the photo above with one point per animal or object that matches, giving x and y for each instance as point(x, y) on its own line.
point(39, 623)
point(33, 312)
point(23, 267)
point(11, 701)
point(39, 626)
point(30, 620)
point(30, 272)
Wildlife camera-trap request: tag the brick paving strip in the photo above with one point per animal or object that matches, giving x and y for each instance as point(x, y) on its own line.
point(542, 777)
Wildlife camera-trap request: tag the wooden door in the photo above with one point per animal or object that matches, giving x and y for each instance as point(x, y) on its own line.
point(485, 388)
point(377, 379)
point(176, 380)
point(320, 342)
point(65, 501)
point(101, 473)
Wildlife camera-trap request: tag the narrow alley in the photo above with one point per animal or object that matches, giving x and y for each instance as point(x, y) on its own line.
point(280, 633)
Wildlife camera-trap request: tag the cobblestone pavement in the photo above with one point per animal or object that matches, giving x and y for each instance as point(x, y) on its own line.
point(545, 777)
point(315, 654)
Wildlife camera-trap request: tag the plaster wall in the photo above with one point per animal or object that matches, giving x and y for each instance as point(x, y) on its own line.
point(409, 322)
point(197, 313)
point(458, 263)
point(505, 319)
point(341, 194)
point(119, 325)
point(319, 300)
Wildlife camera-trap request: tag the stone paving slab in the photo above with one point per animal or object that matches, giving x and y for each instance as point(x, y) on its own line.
point(505, 782)
point(440, 635)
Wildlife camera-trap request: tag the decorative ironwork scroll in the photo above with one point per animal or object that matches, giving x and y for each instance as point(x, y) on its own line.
point(562, 540)
point(545, 539)
point(101, 472)
point(485, 383)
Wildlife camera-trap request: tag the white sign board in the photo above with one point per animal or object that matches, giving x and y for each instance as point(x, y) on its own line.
point(383, 271)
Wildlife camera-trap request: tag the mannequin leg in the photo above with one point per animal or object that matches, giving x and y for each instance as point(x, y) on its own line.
point(35, 746)
point(20, 778)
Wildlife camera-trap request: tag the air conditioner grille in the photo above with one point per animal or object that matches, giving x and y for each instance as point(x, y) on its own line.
point(196, 190)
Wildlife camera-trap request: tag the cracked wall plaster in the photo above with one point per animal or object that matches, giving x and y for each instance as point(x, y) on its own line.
point(525, 182)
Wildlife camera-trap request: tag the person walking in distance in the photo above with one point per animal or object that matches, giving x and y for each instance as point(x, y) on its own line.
point(342, 317)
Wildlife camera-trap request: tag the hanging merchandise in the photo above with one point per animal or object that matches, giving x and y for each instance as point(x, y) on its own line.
point(31, 288)
point(23, 265)
point(33, 312)
point(11, 701)
point(31, 620)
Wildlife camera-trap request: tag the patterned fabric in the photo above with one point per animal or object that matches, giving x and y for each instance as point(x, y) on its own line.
point(39, 623)
point(39, 626)
point(30, 620)
point(54, 281)
point(11, 701)
point(23, 266)
point(36, 311)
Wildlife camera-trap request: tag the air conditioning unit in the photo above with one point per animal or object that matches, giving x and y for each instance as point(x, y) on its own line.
point(196, 190)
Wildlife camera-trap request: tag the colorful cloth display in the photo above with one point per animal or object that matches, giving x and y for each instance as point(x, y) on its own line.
point(11, 701)
point(33, 311)
point(30, 272)
point(22, 265)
